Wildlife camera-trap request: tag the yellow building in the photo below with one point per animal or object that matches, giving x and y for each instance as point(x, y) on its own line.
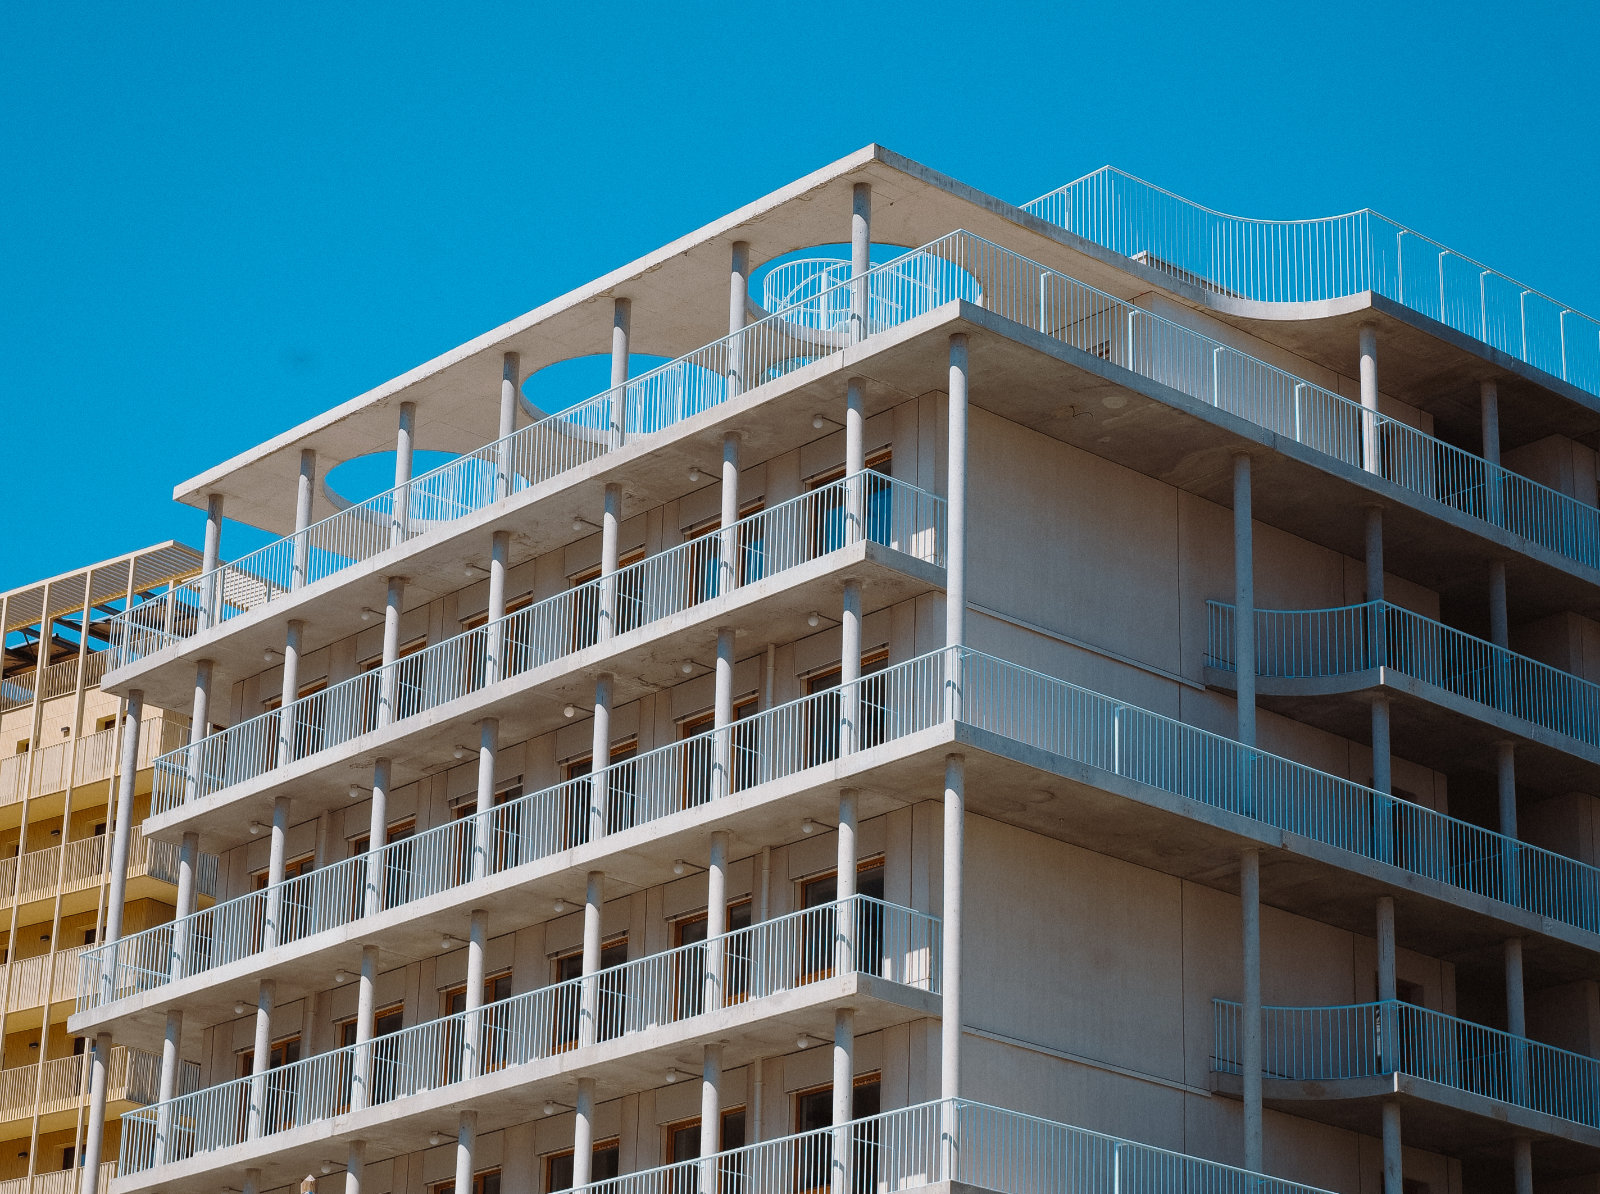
point(60, 757)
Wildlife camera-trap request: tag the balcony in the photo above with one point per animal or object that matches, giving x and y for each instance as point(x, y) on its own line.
point(1314, 261)
point(75, 870)
point(1454, 696)
point(1340, 1062)
point(31, 984)
point(1149, 789)
point(631, 424)
point(78, 763)
point(54, 680)
point(56, 1181)
point(55, 1089)
point(614, 1027)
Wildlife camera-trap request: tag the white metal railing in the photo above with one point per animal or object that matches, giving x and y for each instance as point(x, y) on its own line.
point(83, 863)
point(1004, 698)
point(891, 513)
point(87, 760)
point(56, 1181)
point(740, 967)
point(32, 982)
point(1316, 1044)
point(1322, 643)
point(1289, 261)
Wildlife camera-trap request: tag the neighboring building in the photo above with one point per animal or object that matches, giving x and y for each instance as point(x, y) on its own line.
point(823, 750)
point(61, 741)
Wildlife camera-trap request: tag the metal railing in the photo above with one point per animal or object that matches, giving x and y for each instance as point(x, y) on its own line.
point(32, 982)
point(63, 1082)
point(56, 1181)
point(737, 968)
point(1323, 643)
point(57, 680)
point(1296, 261)
point(84, 864)
point(89, 759)
point(1318, 1044)
point(866, 506)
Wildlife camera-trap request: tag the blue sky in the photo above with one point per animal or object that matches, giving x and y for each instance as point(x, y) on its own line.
point(217, 220)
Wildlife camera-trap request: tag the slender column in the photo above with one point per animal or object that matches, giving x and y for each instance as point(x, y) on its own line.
point(262, 1061)
point(275, 930)
point(394, 598)
point(860, 258)
point(121, 842)
point(1371, 444)
point(210, 558)
point(845, 941)
point(377, 834)
point(850, 668)
point(722, 715)
point(716, 916)
point(1506, 791)
point(355, 1169)
point(1393, 1171)
point(955, 808)
point(400, 515)
point(290, 692)
point(510, 380)
point(710, 1115)
point(1388, 986)
point(621, 328)
point(94, 1141)
point(589, 1009)
point(305, 485)
point(955, 601)
point(488, 750)
point(366, 1015)
point(610, 529)
point(466, 1142)
point(252, 1181)
point(167, 1085)
point(738, 296)
point(1382, 755)
point(1522, 1164)
point(1499, 617)
point(728, 539)
point(471, 1028)
point(1516, 1004)
point(844, 1019)
point(583, 1135)
point(1250, 1027)
point(600, 756)
point(1380, 653)
point(1489, 404)
point(1244, 600)
point(494, 642)
point(844, 1044)
point(199, 727)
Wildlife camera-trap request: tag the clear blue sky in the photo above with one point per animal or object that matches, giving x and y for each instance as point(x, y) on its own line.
point(219, 219)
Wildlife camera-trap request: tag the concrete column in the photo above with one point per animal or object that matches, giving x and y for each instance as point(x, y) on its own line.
point(210, 558)
point(355, 1170)
point(167, 1085)
point(1516, 1003)
point(860, 258)
point(728, 537)
point(1382, 755)
point(621, 330)
point(600, 756)
point(844, 1044)
point(710, 1114)
point(472, 1023)
point(1506, 791)
point(589, 1006)
point(495, 637)
point(400, 516)
point(610, 529)
point(252, 1181)
point(716, 917)
point(94, 1137)
point(482, 816)
point(850, 668)
point(290, 691)
point(188, 859)
point(1374, 553)
point(955, 602)
point(1393, 1171)
point(1371, 443)
point(1388, 984)
point(1499, 616)
point(722, 715)
point(366, 1017)
point(262, 1061)
point(1250, 1016)
point(394, 598)
point(305, 485)
point(377, 834)
point(199, 727)
point(845, 941)
point(466, 1144)
point(1522, 1165)
point(583, 1135)
point(955, 831)
point(738, 295)
point(122, 836)
point(275, 930)
point(510, 382)
point(1489, 408)
point(1244, 599)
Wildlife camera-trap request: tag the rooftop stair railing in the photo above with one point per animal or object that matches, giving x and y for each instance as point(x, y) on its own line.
point(747, 964)
point(1300, 261)
point(891, 513)
point(90, 759)
point(1320, 1044)
point(1323, 643)
point(960, 684)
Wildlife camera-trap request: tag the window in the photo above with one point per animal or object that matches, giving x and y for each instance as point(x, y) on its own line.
point(683, 1144)
point(621, 794)
point(408, 688)
point(105, 723)
point(820, 931)
point(398, 864)
point(24, 745)
point(309, 718)
point(702, 571)
point(491, 1025)
point(830, 518)
point(282, 1089)
point(502, 832)
point(516, 654)
point(822, 715)
point(586, 601)
point(386, 1066)
point(699, 760)
point(487, 1182)
point(612, 995)
point(813, 1109)
point(603, 1166)
point(689, 998)
point(297, 911)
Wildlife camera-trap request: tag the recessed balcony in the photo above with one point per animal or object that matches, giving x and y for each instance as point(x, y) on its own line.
point(1465, 1089)
point(56, 1089)
point(1453, 696)
point(752, 990)
point(74, 871)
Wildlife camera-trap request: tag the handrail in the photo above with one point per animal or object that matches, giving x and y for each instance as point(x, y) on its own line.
point(91, 757)
point(959, 684)
point(1320, 1044)
point(785, 954)
point(1298, 261)
point(804, 529)
point(1322, 643)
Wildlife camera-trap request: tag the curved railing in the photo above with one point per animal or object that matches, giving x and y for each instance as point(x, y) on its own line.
point(1323, 643)
point(867, 506)
point(941, 687)
point(858, 935)
point(1297, 261)
point(1365, 1040)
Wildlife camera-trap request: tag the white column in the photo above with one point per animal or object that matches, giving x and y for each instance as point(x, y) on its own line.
point(844, 1043)
point(955, 807)
point(122, 839)
point(304, 493)
point(472, 1022)
point(377, 835)
point(589, 1006)
point(716, 916)
point(845, 939)
point(1522, 1165)
point(394, 598)
point(1371, 444)
point(482, 816)
point(621, 329)
point(210, 558)
point(1393, 1171)
point(1244, 599)
point(1250, 1015)
point(1388, 985)
point(600, 756)
point(167, 1085)
point(955, 616)
point(610, 530)
point(710, 1114)
point(860, 258)
point(355, 1170)
point(495, 659)
point(290, 691)
point(1499, 615)
point(722, 715)
point(94, 1138)
point(466, 1142)
point(583, 1135)
point(738, 295)
point(728, 538)
point(400, 515)
point(510, 381)
point(275, 930)
point(366, 1015)
point(262, 1061)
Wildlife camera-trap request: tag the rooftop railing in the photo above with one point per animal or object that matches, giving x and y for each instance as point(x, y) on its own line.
point(87, 760)
point(868, 506)
point(1324, 643)
point(1321, 1044)
point(858, 935)
point(1298, 261)
point(943, 686)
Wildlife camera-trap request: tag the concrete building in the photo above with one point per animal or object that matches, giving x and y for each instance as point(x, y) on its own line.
point(64, 748)
point(1099, 701)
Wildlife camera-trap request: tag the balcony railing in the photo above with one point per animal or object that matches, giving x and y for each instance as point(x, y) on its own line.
point(743, 966)
point(1297, 261)
point(867, 506)
point(958, 265)
point(85, 864)
point(51, 768)
point(57, 680)
point(1321, 1044)
point(960, 684)
point(1325, 643)
point(63, 1082)
point(33, 982)
point(56, 1181)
